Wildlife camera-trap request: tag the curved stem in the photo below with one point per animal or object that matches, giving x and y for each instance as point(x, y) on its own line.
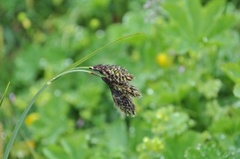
point(78, 69)
point(24, 114)
point(20, 122)
point(100, 49)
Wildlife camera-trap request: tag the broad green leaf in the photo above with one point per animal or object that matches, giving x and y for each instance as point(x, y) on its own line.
point(116, 136)
point(175, 147)
point(232, 71)
point(236, 90)
point(210, 13)
point(180, 17)
point(54, 152)
point(221, 24)
point(170, 122)
point(195, 13)
point(222, 122)
point(206, 150)
point(213, 9)
point(210, 88)
point(75, 145)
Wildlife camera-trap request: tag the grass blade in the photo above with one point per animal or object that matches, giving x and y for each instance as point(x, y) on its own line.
point(19, 123)
point(101, 48)
point(4, 94)
point(24, 114)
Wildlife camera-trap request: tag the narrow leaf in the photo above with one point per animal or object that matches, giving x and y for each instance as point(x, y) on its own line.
point(20, 122)
point(4, 94)
point(100, 49)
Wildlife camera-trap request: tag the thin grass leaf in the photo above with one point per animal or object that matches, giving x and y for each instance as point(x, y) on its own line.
point(24, 114)
point(100, 49)
point(19, 123)
point(4, 94)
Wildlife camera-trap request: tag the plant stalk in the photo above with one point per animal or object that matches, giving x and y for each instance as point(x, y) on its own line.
point(24, 114)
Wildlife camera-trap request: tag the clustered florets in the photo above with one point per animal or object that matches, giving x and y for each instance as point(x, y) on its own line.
point(117, 78)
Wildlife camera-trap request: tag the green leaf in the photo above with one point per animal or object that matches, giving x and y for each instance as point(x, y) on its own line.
point(208, 150)
point(222, 24)
point(210, 12)
point(175, 147)
point(116, 136)
point(214, 8)
point(210, 88)
point(170, 122)
point(236, 90)
point(180, 17)
point(211, 149)
point(20, 122)
point(232, 71)
point(4, 94)
point(75, 145)
point(195, 12)
point(54, 152)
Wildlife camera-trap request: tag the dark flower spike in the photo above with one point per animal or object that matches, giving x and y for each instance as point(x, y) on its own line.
point(113, 73)
point(123, 102)
point(118, 79)
point(127, 89)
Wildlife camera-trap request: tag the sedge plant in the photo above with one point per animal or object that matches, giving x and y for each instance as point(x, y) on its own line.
point(116, 77)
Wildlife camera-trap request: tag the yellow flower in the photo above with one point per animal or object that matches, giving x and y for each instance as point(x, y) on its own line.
point(163, 60)
point(31, 118)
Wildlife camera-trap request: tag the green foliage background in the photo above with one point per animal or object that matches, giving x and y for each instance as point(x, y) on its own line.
point(186, 65)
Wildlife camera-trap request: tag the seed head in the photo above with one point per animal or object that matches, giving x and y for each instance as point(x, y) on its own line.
point(113, 73)
point(123, 102)
point(117, 79)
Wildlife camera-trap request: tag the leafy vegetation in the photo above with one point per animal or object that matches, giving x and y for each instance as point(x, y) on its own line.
point(186, 66)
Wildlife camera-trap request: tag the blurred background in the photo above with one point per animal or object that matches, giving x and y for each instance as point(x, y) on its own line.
point(186, 66)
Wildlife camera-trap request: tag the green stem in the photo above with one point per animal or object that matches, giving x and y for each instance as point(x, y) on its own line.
point(100, 49)
point(20, 122)
point(24, 114)
point(67, 72)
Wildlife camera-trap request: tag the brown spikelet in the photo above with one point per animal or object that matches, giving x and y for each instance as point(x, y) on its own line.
point(128, 89)
point(113, 73)
point(123, 102)
point(117, 78)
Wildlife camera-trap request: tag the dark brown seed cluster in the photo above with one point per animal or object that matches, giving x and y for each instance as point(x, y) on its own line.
point(113, 73)
point(117, 78)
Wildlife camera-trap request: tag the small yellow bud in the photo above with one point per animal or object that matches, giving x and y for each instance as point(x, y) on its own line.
point(163, 60)
point(31, 118)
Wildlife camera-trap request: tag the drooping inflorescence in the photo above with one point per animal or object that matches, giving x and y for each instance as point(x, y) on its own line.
point(117, 79)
